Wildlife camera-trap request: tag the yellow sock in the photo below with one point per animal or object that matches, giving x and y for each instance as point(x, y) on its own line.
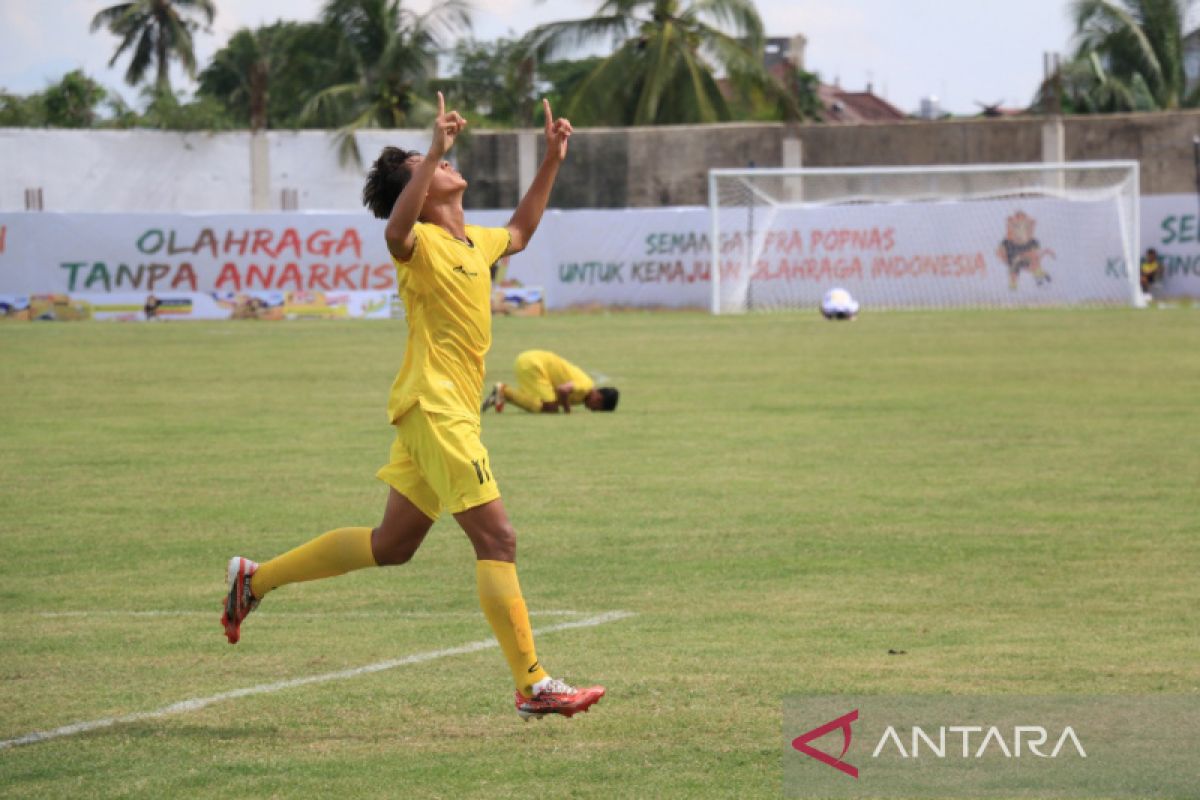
point(329, 554)
point(525, 400)
point(500, 597)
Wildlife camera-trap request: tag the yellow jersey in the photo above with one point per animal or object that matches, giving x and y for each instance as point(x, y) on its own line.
point(446, 287)
point(540, 371)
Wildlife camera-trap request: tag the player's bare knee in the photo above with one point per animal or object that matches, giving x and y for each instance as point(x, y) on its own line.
point(390, 549)
point(496, 542)
point(503, 533)
point(400, 556)
point(395, 556)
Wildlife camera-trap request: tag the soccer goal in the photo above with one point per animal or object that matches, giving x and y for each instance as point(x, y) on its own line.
point(985, 236)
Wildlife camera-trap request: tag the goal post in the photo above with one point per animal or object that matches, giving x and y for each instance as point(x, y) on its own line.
point(951, 236)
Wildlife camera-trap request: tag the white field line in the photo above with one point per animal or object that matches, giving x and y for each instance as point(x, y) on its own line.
point(314, 614)
point(197, 703)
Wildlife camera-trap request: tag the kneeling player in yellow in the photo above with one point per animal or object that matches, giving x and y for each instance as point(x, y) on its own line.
point(437, 460)
point(547, 382)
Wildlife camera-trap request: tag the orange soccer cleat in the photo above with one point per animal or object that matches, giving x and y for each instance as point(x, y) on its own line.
point(557, 697)
point(499, 391)
point(240, 601)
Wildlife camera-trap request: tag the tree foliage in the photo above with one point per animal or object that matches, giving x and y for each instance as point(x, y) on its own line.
point(560, 80)
point(1129, 56)
point(21, 111)
point(263, 77)
point(70, 103)
point(667, 58)
point(374, 63)
point(392, 52)
point(491, 82)
point(167, 110)
point(155, 32)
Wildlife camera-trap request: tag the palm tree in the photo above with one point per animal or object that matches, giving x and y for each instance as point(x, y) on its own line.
point(492, 81)
point(157, 30)
point(393, 51)
point(240, 74)
point(1129, 56)
point(264, 76)
point(663, 67)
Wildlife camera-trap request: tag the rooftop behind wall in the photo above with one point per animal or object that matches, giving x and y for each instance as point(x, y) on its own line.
point(607, 167)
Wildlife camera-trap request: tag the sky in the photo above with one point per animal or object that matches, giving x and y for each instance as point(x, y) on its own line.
point(963, 52)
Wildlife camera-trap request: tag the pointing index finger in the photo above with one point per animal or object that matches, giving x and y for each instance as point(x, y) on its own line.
point(546, 108)
point(441, 105)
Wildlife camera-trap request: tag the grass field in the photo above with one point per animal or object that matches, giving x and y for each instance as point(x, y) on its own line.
point(1009, 498)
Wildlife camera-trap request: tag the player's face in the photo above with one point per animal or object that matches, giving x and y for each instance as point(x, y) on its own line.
point(446, 179)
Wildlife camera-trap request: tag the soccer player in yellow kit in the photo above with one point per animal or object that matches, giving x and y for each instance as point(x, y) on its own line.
point(547, 382)
point(437, 460)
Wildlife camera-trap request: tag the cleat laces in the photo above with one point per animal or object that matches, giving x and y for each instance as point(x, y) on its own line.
point(555, 686)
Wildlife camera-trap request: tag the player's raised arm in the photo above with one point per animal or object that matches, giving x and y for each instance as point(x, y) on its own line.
point(407, 210)
point(529, 212)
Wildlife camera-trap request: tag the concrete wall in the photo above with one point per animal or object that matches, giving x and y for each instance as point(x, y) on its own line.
point(608, 167)
point(649, 167)
point(621, 167)
point(83, 170)
point(919, 143)
point(1161, 142)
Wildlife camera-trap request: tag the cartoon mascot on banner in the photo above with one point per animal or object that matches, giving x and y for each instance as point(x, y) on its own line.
point(1022, 251)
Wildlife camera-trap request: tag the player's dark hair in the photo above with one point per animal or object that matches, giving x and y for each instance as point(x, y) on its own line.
point(388, 176)
point(610, 396)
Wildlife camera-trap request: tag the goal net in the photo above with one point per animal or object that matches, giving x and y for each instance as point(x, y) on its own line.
point(984, 236)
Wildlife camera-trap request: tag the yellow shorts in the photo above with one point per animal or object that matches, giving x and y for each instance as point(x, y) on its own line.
point(532, 380)
point(438, 462)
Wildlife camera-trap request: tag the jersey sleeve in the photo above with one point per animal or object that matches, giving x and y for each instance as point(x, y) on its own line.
point(420, 247)
point(417, 267)
point(492, 243)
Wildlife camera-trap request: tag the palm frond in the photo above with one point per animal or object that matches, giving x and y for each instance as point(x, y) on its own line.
point(566, 38)
point(143, 56)
point(1143, 98)
point(709, 103)
point(206, 7)
point(602, 95)
point(735, 56)
point(1100, 22)
point(446, 20)
point(347, 143)
point(157, 30)
point(740, 17)
point(126, 42)
point(663, 56)
point(108, 17)
point(322, 101)
point(180, 43)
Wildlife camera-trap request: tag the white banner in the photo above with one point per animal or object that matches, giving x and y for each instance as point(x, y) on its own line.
point(1171, 225)
point(168, 305)
point(196, 266)
point(997, 253)
point(1011, 252)
point(900, 254)
point(114, 253)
